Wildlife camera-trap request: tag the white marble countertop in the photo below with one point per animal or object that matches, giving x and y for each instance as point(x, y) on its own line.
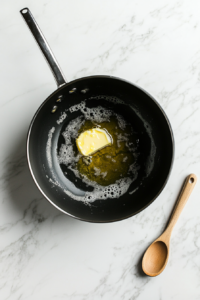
point(45, 254)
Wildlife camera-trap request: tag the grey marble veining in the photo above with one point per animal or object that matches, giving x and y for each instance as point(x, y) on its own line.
point(44, 254)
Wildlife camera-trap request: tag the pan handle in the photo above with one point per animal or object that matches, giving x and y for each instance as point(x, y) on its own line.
point(42, 43)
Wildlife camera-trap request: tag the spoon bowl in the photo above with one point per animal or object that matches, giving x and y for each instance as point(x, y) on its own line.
point(156, 256)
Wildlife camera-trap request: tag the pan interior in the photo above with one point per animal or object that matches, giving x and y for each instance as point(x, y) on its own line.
point(151, 128)
point(105, 110)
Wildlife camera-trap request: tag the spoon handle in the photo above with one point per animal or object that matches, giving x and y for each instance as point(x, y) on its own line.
point(186, 190)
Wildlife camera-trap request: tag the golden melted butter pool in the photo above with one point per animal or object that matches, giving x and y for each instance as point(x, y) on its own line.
point(113, 162)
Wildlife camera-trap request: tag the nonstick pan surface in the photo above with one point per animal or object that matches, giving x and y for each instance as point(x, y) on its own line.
point(156, 143)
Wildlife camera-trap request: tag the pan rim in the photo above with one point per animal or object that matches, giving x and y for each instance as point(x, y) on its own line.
point(108, 77)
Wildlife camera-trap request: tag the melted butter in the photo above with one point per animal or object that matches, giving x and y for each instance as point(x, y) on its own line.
point(92, 140)
point(110, 163)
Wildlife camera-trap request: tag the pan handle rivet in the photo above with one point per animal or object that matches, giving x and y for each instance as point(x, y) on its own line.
point(54, 109)
point(72, 91)
point(84, 91)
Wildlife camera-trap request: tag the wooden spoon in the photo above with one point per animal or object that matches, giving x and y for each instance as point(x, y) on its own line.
point(156, 256)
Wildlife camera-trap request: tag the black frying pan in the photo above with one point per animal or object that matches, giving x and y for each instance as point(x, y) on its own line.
point(154, 131)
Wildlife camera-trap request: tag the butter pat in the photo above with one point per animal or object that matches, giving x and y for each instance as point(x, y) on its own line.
point(90, 141)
